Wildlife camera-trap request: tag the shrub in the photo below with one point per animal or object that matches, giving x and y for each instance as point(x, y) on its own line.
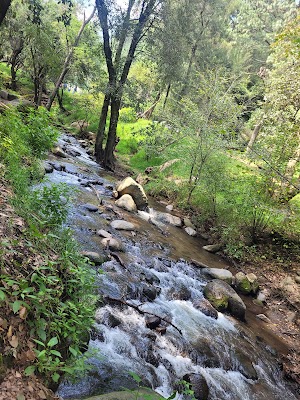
point(127, 115)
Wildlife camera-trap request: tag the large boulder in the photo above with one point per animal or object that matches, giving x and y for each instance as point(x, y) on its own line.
point(246, 284)
point(112, 244)
point(126, 202)
point(206, 308)
point(224, 298)
point(169, 219)
point(130, 186)
point(198, 385)
point(219, 273)
point(95, 257)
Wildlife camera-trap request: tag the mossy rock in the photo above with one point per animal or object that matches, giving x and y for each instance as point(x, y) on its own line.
point(242, 283)
point(217, 301)
point(128, 395)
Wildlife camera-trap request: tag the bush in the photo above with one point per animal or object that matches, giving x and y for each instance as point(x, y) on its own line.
point(127, 115)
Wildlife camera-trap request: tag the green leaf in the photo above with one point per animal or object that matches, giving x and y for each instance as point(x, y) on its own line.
point(42, 354)
point(73, 351)
point(29, 370)
point(52, 342)
point(2, 295)
point(135, 377)
point(16, 306)
point(56, 353)
point(42, 334)
point(39, 342)
point(55, 377)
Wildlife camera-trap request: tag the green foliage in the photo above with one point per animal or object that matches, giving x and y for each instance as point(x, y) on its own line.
point(127, 114)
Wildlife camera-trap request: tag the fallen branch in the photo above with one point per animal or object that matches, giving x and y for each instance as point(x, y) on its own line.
point(137, 308)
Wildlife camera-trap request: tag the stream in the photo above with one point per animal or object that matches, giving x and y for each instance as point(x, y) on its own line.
point(223, 358)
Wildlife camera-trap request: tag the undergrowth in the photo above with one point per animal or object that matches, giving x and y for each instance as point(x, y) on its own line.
point(46, 285)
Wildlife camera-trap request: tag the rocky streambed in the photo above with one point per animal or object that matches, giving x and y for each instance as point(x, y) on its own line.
point(160, 304)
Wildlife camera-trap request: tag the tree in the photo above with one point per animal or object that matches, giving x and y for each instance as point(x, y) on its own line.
point(128, 32)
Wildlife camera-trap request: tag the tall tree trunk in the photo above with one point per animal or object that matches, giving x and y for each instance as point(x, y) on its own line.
point(109, 159)
point(4, 6)
point(167, 95)
point(99, 152)
point(67, 62)
point(148, 113)
point(253, 137)
point(60, 100)
point(186, 83)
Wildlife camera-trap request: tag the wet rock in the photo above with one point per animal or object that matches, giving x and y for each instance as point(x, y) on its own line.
point(170, 219)
point(91, 207)
point(131, 187)
point(112, 244)
point(122, 225)
point(112, 321)
point(139, 394)
point(95, 257)
point(149, 292)
point(190, 231)
point(198, 385)
point(212, 248)
point(224, 298)
point(150, 277)
point(206, 308)
point(180, 293)
point(245, 366)
point(246, 284)
point(58, 152)
point(57, 166)
point(188, 223)
point(48, 168)
point(219, 273)
point(103, 233)
point(127, 203)
point(264, 318)
point(161, 330)
point(152, 322)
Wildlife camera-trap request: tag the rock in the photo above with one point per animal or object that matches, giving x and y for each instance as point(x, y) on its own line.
point(140, 394)
point(199, 264)
point(161, 330)
point(112, 244)
point(57, 151)
point(212, 248)
point(199, 386)
point(219, 273)
point(180, 293)
point(126, 202)
point(169, 219)
point(288, 284)
point(152, 322)
point(246, 284)
point(91, 207)
point(245, 366)
point(48, 168)
point(95, 257)
point(4, 94)
point(224, 298)
point(122, 225)
point(130, 186)
point(81, 125)
point(104, 233)
point(149, 292)
point(261, 297)
point(264, 318)
point(169, 207)
point(188, 223)
point(112, 321)
point(206, 308)
point(168, 164)
point(190, 231)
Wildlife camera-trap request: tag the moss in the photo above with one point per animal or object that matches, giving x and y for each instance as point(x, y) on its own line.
point(244, 286)
point(220, 304)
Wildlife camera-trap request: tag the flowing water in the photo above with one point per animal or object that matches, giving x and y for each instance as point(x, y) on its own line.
point(155, 276)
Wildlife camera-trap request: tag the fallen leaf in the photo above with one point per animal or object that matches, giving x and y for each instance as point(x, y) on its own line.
point(42, 395)
point(23, 312)
point(18, 375)
point(14, 341)
point(9, 333)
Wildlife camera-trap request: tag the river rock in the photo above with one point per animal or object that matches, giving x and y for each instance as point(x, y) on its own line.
point(188, 223)
point(152, 322)
point(245, 366)
point(131, 187)
point(169, 219)
point(212, 248)
point(190, 231)
point(91, 207)
point(199, 386)
point(48, 168)
point(206, 308)
point(150, 292)
point(103, 233)
point(94, 257)
point(264, 318)
point(219, 273)
point(122, 225)
point(246, 284)
point(57, 151)
point(112, 244)
point(126, 202)
point(140, 394)
point(224, 298)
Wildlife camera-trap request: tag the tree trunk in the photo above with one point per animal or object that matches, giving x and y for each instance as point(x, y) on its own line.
point(109, 159)
point(148, 113)
point(253, 137)
point(67, 62)
point(186, 84)
point(167, 95)
point(60, 100)
point(4, 6)
point(101, 129)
